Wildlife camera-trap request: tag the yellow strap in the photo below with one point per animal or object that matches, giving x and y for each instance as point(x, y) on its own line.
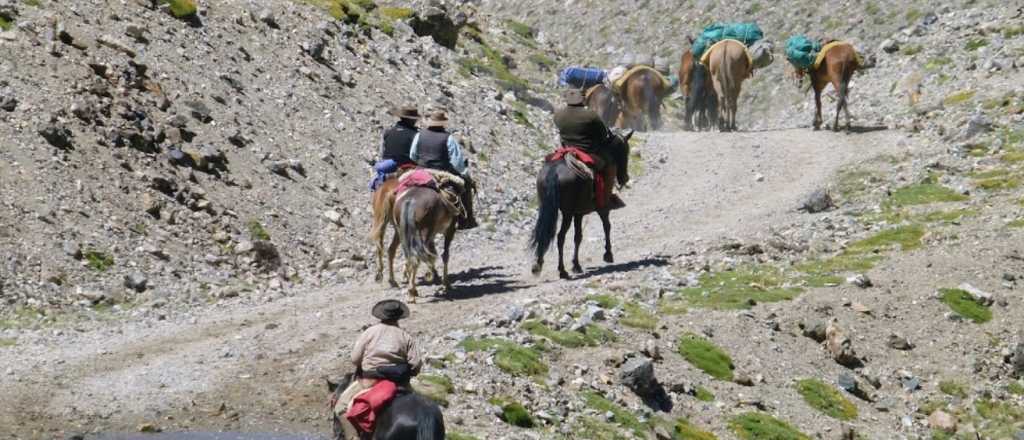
point(824, 50)
point(707, 53)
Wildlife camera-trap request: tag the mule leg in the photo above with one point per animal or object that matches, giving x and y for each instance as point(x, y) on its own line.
point(392, 249)
point(817, 107)
point(411, 267)
point(449, 234)
point(577, 238)
point(378, 239)
point(566, 223)
point(606, 222)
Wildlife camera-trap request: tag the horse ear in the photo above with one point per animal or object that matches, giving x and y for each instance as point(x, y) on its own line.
point(690, 39)
point(628, 135)
point(331, 386)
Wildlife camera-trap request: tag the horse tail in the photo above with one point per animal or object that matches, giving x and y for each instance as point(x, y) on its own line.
point(844, 82)
point(547, 214)
point(413, 245)
point(427, 426)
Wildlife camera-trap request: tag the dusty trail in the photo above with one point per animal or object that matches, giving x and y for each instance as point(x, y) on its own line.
point(264, 362)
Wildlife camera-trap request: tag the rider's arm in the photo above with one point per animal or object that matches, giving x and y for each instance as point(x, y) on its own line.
point(359, 349)
point(413, 356)
point(455, 156)
point(414, 152)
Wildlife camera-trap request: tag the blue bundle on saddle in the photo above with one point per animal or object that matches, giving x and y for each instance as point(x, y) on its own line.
point(382, 169)
point(581, 77)
point(801, 51)
point(746, 33)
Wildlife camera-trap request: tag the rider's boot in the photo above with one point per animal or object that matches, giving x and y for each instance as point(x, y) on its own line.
point(467, 220)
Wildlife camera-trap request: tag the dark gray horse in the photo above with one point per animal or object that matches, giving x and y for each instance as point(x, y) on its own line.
point(409, 416)
point(562, 190)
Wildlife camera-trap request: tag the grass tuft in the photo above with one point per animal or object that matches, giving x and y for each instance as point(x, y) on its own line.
point(591, 336)
point(704, 395)
point(511, 358)
point(459, 436)
point(684, 430)
point(964, 305)
point(922, 194)
point(97, 260)
point(761, 426)
point(521, 29)
point(706, 356)
point(181, 8)
point(953, 388)
point(827, 399)
point(958, 98)
point(903, 237)
point(637, 316)
point(434, 387)
point(739, 289)
point(620, 415)
point(513, 413)
point(396, 13)
point(256, 231)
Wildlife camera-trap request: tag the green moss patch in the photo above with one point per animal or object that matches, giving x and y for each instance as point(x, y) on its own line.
point(827, 399)
point(435, 387)
point(949, 216)
point(703, 395)
point(8, 342)
point(964, 305)
point(510, 357)
point(593, 429)
point(5, 24)
point(396, 13)
point(958, 98)
point(98, 261)
point(592, 335)
point(922, 194)
point(637, 316)
point(181, 8)
point(904, 238)
point(492, 63)
point(684, 430)
point(1000, 419)
point(605, 300)
point(740, 288)
point(1016, 388)
point(761, 426)
point(256, 231)
point(706, 356)
point(953, 388)
point(620, 416)
point(513, 413)
point(1018, 223)
point(521, 29)
point(975, 43)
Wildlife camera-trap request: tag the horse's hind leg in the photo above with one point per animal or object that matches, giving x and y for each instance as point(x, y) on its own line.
point(606, 223)
point(566, 223)
point(411, 267)
point(577, 238)
point(817, 107)
point(449, 234)
point(392, 249)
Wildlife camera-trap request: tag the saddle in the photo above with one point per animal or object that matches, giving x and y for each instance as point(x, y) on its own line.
point(585, 166)
point(447, 184)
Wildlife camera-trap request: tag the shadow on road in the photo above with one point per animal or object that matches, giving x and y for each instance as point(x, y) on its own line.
point(480, 281)
point(656, 261)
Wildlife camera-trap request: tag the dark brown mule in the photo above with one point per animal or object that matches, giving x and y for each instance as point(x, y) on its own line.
point(421, 213)
point(641, 101)
point(729, 66)
point(837, 69)
point(602, 101)
point(383, 204)
point(562, 190)
point(698, 88)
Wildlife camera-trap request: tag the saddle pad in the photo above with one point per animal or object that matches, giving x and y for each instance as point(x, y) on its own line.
point(637, 69)
point(707, 53)
point(824, 50)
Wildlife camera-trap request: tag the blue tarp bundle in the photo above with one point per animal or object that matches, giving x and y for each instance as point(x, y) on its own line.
point(801, 51)
point(746, 33)
point(581, 77)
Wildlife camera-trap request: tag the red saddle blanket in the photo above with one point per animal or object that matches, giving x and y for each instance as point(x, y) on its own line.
point(365, 407)
point(414, 178)
point(600, 190)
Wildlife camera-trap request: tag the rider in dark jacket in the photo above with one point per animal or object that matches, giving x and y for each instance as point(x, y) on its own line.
point(437, 149)
point(398, 139)
point(583, 128)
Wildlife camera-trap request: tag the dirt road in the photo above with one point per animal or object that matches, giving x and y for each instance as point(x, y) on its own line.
point(258, 367)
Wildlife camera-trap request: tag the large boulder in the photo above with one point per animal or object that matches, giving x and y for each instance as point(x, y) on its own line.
point(638, 375)
point(439, 23)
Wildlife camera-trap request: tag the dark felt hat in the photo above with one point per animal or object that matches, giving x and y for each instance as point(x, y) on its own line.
point(437, 118)
point(573, 97)
point(406, 112)
point(390, 310)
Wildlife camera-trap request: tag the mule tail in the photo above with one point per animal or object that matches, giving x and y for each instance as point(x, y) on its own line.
point(413, 245)
point(547, 215)
point(653, 110)
point(844, 89)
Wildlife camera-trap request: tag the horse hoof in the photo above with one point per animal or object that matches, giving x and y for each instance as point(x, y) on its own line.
point(393, 283)
point(577, 269)
point(564, 275)
point(608, 258)
point(535, 270)
point(378, 278)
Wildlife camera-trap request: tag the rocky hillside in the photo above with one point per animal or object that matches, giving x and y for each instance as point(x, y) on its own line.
point(185, 152)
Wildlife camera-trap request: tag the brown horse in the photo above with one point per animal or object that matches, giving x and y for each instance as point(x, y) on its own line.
point(641, 101)
point(837, 68)
point(383, 204)
point(729, 66)
point(421, 213)
point(698, 88)
point(602, 100)
point(562, 190)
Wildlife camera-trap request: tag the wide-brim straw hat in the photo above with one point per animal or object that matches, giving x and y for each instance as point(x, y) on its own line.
point(406, 112)
point(437, 118)
point(572, 97)
point(390, 310)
